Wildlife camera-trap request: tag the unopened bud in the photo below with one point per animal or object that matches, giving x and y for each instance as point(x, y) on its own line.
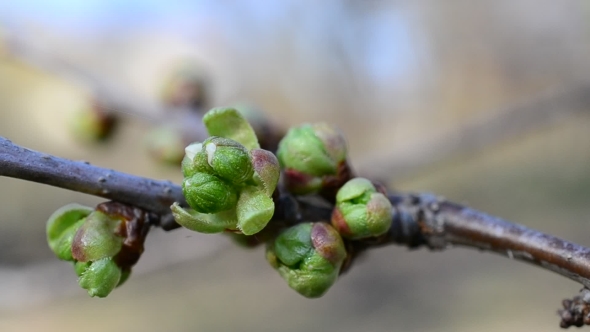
point(308, 256)
point(208, 194)
point(229, 159)
point(228, 180)
point(308, 154)
point(103, 243)
point(361, 211)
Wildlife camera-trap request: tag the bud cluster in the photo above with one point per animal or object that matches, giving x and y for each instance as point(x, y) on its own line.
point(309, 256)
point(228, 180)
point(229, 184)
point(102, 243)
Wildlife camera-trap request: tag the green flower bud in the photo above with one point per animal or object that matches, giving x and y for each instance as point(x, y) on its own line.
point(62, 227)
point(308, 154)
point(308, 256)
point(361, 211)
point(229, 159)
point(101, 277)
point(222, 157)
point(208, 194)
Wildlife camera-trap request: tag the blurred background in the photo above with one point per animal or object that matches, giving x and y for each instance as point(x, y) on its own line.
point(486, 103)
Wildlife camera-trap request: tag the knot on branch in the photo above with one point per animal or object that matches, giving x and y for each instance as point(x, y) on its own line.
point(576, 312)
point(416, 221)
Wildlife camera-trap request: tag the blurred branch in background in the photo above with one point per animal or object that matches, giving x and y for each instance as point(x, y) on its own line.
point(113, 98)
point(553, 105)
point(543, 109)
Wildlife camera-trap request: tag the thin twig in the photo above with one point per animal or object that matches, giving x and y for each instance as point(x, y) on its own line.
point(114, 98)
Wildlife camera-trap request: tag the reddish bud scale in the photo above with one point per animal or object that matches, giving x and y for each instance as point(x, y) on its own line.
point(378, 209)
point(327, 242)
point(266, 166)
point(85, 242)
point(339, 223)
point(296, 180)
point(261, 158)
point(134, 228)
point(334, 142)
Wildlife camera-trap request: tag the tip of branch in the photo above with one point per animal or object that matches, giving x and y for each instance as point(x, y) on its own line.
point(576, 311)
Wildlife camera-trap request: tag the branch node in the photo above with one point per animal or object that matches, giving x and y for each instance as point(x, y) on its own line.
point(576, 312)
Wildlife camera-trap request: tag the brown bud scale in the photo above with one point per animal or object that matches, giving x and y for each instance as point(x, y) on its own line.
point(134, 228)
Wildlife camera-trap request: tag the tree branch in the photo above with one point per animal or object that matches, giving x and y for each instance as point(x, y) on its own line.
point(151, 195)
point(431, 221)
point(418, 220)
